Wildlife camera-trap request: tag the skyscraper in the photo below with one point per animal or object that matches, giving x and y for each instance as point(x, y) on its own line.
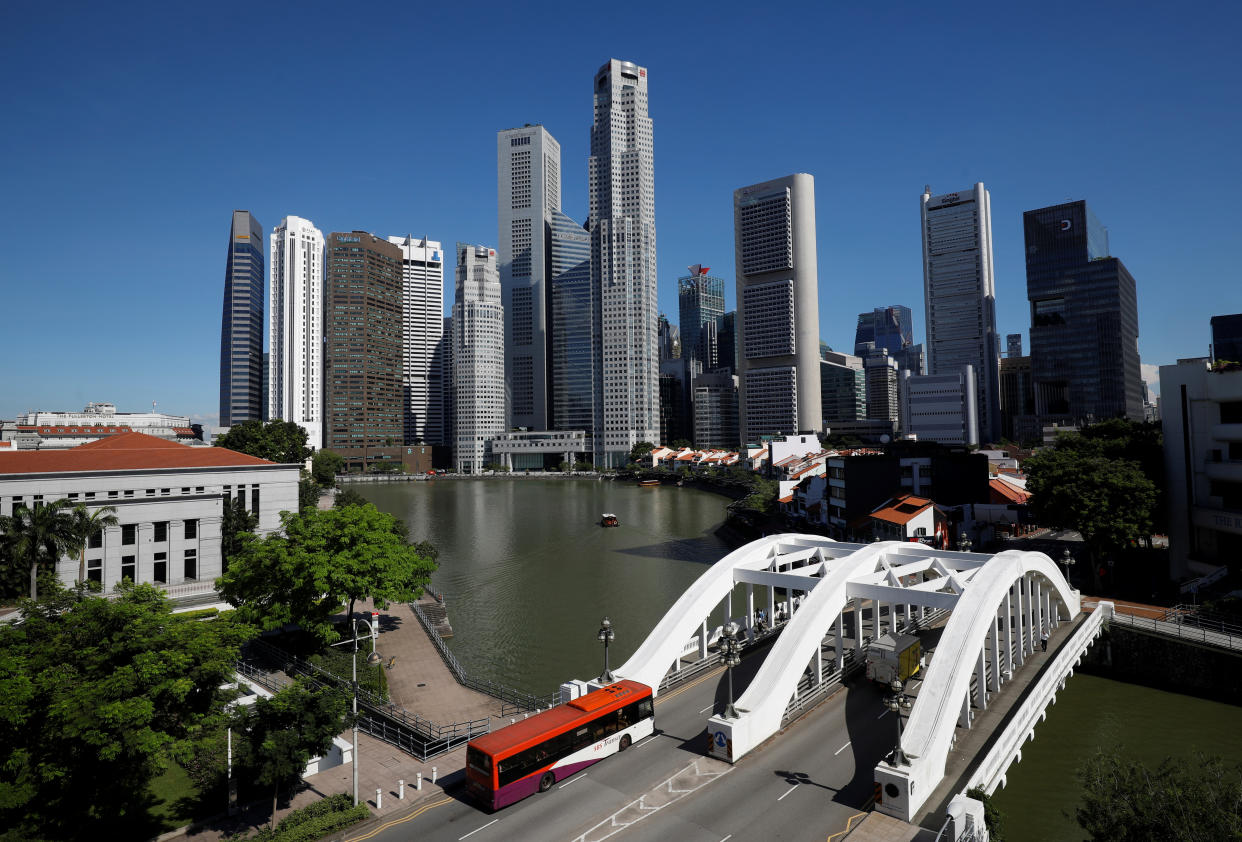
point(1013, 345)
point(700, 301)
point(528, 165)
point(715, 411)
point(940, 407)
point(623, 263)
point(422, 316)
point(724, 356)
point(889, 329)
point(1084, 319)
point(843, 387)
point(295, 381)
point(363, 336)
point(1227, 338)
point(778, 307)
point(478, 357)
point(573, 362)
point(241, 324)
point(669, 337)
point(960, 295)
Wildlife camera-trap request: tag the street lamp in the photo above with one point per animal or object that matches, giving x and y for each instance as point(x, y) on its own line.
point(373, 659)
point(606, 636)
point(1068, 561)
point(729, 654)
point(964, 543)
point(898, 703)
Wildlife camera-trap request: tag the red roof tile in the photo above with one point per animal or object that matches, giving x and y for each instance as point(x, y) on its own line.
point(1003, 492)
point(901, 509)
point(124, 452)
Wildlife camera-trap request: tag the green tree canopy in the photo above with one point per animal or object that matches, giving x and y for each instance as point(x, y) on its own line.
point(318, 560)
point(640, 449)
point(86, 525)
point(39, 536)
point(237, 523)
point(348, 496)
point(96, 696)
point(325, 465)
point(276, 441)
point(308, 493)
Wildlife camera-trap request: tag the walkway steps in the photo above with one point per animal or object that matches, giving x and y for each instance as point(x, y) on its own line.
point(436, 613)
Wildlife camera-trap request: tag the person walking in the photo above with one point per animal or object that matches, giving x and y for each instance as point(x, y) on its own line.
point(1043, 641)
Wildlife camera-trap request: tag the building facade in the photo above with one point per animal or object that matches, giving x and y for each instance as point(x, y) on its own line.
point(363, 347)
point(1084, 319)
point(571, 324)
point(241, 324)
point(959, 292)
point(842, 387)
point(715, 411)
point(422, 353)
point(882, 392)
point(1018, 420)
point(1227, 338)
point(778, 307)
point(44, 430)
point(621, 182)
point(940, 407)
point(1013, 345)
point(700, 302)
point(478, 358)
point(295, 362)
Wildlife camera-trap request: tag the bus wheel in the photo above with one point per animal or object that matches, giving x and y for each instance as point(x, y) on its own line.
point(625, 742)
point(545, 783)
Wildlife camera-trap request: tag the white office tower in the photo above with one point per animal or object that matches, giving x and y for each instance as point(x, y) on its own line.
point(295, 314)
point(940, 407)
point(777, 307)
point(623, 264)
point(528, 186)
point(960, 295)
point(422, 321)
point(478, 358)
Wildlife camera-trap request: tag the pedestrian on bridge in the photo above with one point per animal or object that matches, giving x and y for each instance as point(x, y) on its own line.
point(1043, 641)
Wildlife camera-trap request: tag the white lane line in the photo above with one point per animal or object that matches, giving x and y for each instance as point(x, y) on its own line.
point(841, 749)
point(881, 716)
point(727, 838)
point(791, 789)
point(706, 709)
point(572, 781)
point(646, 742)
point(477, 829)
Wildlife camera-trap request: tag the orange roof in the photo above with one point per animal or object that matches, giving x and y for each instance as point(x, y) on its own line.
point(788, 499)
point(125, 452)
point(901, 509)
point(1007, 492)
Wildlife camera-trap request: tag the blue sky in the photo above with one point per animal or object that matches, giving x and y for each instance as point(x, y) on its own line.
point(133, 130)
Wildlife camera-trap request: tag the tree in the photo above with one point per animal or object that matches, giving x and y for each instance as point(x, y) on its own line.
point(276, 441)
point(96, 697)
point(39, 535)
point(1124, 800)
point(319, 560)
point(86, 525)
point(236, 525)
point(325, 465)
point(349, 496)
point(640, 449)
point(308, 493)
point(678, 444)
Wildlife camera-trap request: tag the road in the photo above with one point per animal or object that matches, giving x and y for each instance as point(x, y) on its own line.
point(804, 784)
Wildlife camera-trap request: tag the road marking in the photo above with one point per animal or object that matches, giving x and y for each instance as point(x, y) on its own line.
point(646, 742)
point(841, 749)
point(572, 781)
point(683, 688)
point(849, 825)
point(706, 709)
point(791, 789)
point(396, 822)
point(684, 783)
point(881, 716)
point(477, 829)
point(727, 838)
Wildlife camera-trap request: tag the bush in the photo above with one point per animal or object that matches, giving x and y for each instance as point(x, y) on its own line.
point(312, 822)
point(991, 814)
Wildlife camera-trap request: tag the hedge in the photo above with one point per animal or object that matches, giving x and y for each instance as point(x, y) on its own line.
point(313, 821)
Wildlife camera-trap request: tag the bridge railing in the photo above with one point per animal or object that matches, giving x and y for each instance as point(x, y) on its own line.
point(1223, 639)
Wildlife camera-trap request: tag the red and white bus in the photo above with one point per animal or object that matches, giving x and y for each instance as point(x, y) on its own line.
point(509, 764)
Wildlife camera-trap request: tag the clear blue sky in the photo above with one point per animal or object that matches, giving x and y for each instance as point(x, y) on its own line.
point(131, 132)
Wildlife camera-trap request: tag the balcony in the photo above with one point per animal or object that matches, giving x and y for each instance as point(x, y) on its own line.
point(1227, 432)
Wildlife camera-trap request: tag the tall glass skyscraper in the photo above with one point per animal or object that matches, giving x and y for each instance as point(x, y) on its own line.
point(621, 182)
point(422, 355)
point(1227, 338)
point(295, 367)
point(960, 294)
point(1084, 319)
point(573, 349)
point(700, 301)
point(241, 324)
point(884, 327)
point(478, 357)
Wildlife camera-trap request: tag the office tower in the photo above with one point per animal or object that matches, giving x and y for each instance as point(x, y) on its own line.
point(528, 183)
point(571, 324)
point(960, 295)
point(676, 418)
point(700, 301)
point(1013, 342)
point(1018, 420)
point(449, 390)
point(295, 391)
point(623, 263)
point(1227, 338)
point(882, 395)
point(884, 327)
point(267, 369)
point(478, 357)
point(724, 352)
point(842, 387)
point(668, 335)
point(1084, 319)
point(778, 307)
point(422, 315)
point(241, 325)
point(363, 347)
point(715, 411)
point(940, 407)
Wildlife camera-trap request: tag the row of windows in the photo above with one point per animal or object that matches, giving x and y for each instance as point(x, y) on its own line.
point(159, 567)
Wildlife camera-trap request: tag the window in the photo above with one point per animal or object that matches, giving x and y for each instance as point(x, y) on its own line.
point(129, 569)
point(129, 533)
point(191, 529)
point(159, 570)
point(161, 531)
point(112, 495)
point(95, 541)
point(129, 492)
point(90, 495)
point(191, 564)
point(94, 570)
point(254, 501)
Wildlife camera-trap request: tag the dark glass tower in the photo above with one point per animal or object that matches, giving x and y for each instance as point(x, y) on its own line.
point(242, 397)
point(571, 330)
point(1227, 338)
point(890, 328)
point(1084, 319)
point(700, 301)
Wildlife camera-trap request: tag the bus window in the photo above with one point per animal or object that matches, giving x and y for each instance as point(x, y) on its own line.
point(582, 737)
point(646, 709)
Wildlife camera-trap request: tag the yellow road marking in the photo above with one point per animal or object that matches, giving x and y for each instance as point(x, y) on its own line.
point(849, 825)
point(683, 688)
point(396, 822)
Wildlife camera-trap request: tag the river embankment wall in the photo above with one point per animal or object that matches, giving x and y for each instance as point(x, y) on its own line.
point(1166, 663)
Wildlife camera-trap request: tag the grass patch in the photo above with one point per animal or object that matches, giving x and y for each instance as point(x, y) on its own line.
point(175, 801)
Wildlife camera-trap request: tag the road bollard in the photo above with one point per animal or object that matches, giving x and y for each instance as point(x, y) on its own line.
point(379, 799)
point(418, 782)
point(401, 790)
point(433, 774)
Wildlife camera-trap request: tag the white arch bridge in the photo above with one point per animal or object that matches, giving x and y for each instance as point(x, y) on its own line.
point(1000, 605)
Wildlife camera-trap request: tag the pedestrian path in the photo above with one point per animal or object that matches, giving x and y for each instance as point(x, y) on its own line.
point(1150, 618)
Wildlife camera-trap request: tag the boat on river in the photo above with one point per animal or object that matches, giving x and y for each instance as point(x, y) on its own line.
point(648, 483)
point(608, 519)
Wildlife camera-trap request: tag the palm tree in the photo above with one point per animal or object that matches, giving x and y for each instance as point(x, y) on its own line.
point(86, 525)
point(45, 531)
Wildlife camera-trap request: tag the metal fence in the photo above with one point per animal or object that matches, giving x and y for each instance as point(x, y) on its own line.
point(1231, 639)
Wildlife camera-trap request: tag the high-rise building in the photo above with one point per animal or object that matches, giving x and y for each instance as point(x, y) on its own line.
point(700, 301)
point(715, 411)
point(422, 315)
point(940, 407)
point(295, 380)
point(882, 393)
point(1084, 319)
point(842, 387)
point(363, 347)
point(1018, 420)
point(669, 337)
point(241, 324)
point(778, 307)
point(1227, 338)
point(623, 263)
point(884, 327)
point(1013, 342)
point(723, 356)
point(450, 390)
point(528, 168)
point(960, 294)
point(676, 415)
point(571, 324)
point(478, 357)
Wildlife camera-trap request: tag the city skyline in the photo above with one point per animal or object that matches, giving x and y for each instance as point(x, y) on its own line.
point(85, 141)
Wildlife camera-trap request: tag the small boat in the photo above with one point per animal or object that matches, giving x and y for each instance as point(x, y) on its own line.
point(648, 483)
point(608, 519)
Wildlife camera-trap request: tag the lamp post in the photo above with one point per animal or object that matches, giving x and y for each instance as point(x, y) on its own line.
point(1068, 561)
point(372, 660)
point(606, 636)
point(898, 703)
point(964, 543)
point(729, 654)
